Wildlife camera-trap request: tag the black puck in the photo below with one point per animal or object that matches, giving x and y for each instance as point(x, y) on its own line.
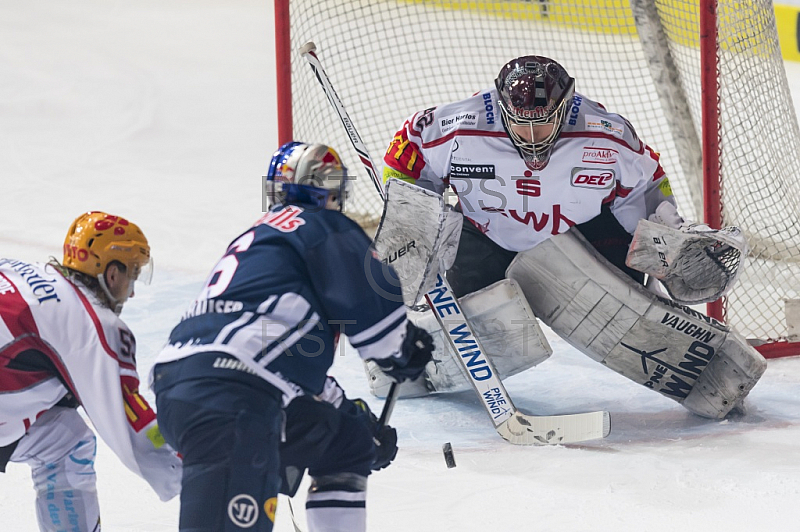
point(449, 459)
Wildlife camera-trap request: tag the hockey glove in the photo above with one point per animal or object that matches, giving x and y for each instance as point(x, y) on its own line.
point(667, 214)
point(385, 438)
point(695, 264)
point(415, 353)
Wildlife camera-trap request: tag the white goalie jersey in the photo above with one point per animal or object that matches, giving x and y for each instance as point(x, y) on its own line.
point(598, 159)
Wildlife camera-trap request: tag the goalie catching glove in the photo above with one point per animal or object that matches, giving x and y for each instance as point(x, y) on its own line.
point(696, 264)
point(415, 353)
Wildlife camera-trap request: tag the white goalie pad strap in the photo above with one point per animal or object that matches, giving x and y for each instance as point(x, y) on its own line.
point(696, 264)
point(418, 236)
point(506, 328)
point(379, 383)
point(670, 348)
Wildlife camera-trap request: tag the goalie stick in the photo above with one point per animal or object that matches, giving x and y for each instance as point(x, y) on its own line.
point(510, 423)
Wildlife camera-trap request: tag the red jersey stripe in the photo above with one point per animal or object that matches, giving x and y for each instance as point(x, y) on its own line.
point(17, 315)
point(99, 328)
point(14, 380)
point(464, 133)
point(15, 311)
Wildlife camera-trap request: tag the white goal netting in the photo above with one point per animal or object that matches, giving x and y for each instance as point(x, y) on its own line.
point(388, 59)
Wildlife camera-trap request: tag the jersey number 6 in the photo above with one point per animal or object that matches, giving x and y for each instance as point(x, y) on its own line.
point(225, 269)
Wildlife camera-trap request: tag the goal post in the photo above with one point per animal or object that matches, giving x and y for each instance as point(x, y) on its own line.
point(703, 83)
point(710, 108)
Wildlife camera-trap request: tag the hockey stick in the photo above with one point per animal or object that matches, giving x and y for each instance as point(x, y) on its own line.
point(307, 51)
point(512, 425)
point(388, 405)
point(294, 520)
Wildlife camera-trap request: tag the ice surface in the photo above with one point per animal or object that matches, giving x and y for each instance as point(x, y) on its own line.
point(165, 113)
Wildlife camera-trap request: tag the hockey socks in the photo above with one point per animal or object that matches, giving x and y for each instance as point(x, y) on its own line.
point(337, 503)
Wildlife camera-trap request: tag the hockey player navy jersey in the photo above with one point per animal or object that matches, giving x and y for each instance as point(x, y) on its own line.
point(283, 293)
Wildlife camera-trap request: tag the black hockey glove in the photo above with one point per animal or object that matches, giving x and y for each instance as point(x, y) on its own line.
point(416, 352)
point(385, 438)
point(385, 447)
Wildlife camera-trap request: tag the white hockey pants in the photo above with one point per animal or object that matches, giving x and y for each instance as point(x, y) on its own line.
point(60, 449)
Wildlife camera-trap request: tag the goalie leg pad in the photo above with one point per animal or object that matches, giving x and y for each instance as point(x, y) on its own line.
point(379, 382)
point(505, 326)
point(670, 348)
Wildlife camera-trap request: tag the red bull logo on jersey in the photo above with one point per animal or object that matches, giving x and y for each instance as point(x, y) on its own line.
point(284, 220)
point(599, 178)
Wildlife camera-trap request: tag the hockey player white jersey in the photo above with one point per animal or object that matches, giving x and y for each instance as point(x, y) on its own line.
point(59, 345)
point(597, 159)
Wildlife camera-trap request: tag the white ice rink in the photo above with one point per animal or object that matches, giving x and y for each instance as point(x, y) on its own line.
point(164, 112)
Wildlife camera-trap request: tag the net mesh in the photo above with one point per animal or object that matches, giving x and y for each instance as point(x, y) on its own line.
point(388, 59)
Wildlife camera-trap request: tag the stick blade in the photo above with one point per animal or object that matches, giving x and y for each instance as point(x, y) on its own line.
point(521, 429)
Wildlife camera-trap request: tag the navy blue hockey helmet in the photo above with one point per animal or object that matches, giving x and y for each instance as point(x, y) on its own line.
point(307, 174)
point(535, 94)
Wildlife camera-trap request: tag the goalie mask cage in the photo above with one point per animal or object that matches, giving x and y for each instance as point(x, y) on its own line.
point(717, 108)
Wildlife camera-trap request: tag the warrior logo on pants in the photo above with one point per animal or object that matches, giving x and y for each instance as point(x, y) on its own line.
point(243, 510)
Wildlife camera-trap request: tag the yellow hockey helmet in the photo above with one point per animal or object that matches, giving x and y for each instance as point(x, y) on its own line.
point(95, 239)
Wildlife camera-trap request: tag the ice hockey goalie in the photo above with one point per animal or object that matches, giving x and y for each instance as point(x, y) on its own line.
point(564, 282)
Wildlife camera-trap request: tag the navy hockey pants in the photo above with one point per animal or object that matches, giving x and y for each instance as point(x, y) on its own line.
point(228, 433)
point(226, 428)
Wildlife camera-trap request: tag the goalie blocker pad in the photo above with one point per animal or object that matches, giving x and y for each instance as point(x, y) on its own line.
point(505, 326)
point(665, 346)
point(418, 236)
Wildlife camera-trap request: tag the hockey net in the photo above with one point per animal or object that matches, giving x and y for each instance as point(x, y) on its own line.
point(641, 59)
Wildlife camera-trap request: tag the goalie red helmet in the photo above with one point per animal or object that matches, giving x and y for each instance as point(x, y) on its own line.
point(307, 174)
point(535, 93)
